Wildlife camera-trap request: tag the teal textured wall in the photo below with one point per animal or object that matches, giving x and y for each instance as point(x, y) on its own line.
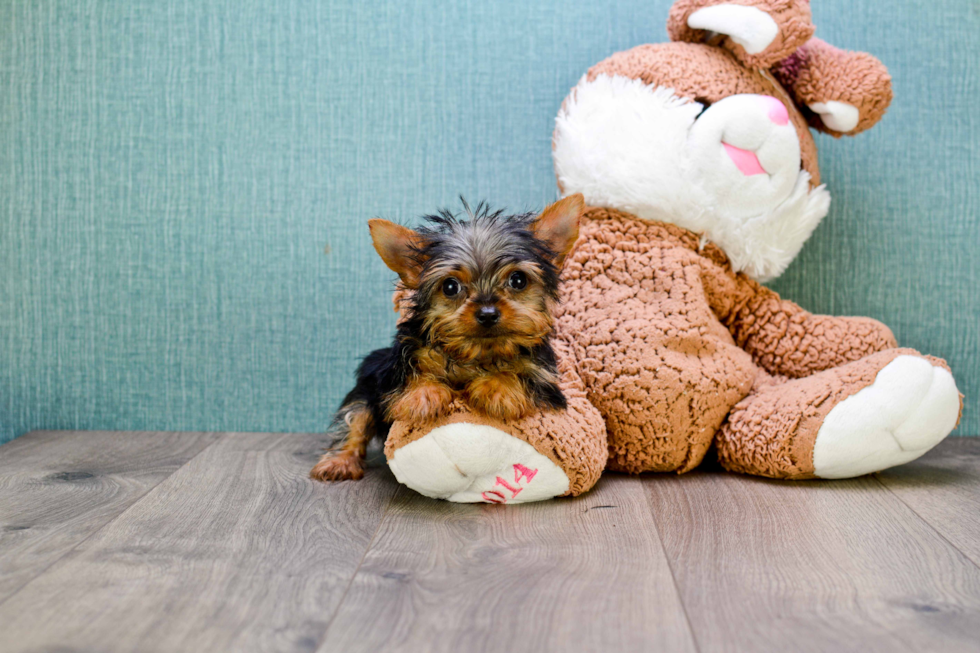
point(184, 187)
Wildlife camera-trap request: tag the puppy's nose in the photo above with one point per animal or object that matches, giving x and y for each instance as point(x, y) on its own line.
point(488, 315)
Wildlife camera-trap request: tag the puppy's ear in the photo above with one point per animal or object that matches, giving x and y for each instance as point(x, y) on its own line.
point(398, 248)
point(558, 225)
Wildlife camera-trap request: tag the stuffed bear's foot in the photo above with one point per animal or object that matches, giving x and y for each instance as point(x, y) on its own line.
point(467, 457)
point(911, 406)
point(470, 463)
point(884, 410)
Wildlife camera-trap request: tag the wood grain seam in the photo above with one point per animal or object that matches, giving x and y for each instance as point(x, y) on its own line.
point(357, 570)
point(670, 566)
point(110, 521)
point(925, 521)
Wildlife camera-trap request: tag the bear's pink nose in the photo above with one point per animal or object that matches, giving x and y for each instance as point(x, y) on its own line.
point(777, 111)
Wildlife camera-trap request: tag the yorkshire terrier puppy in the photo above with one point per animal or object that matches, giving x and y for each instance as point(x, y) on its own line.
point(478, 325)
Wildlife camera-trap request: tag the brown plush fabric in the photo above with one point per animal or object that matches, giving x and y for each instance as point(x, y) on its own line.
point(671, 343)
point(783, 338)
point(656, 361)
point(820, 72)
point(706, 75)
point(792, 16)
point(574, 439)
point(772, 431)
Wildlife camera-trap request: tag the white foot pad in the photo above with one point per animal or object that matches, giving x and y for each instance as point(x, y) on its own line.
point(472, 463)
point(839, 116)
point(911, 406)
point(750, 27)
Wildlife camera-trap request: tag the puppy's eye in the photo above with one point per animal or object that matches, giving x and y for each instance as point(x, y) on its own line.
point(517, 280)
point(450, 287)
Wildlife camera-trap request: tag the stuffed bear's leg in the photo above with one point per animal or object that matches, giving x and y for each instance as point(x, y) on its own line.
point(466, 457)
point(884, 410)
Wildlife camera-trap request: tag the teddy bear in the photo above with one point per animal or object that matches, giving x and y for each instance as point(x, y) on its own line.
point(700, 175)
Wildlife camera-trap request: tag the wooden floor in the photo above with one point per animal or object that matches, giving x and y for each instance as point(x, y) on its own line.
point(113, 541)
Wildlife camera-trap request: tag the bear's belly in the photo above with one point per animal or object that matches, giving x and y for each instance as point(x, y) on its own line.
point(663, 382)
point(655, 360)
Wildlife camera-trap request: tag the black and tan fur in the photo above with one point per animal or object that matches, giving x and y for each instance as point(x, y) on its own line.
point(478, 327)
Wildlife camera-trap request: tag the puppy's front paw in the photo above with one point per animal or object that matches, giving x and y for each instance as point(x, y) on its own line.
point(422, 402)
point(501, 396)
point(343, 466)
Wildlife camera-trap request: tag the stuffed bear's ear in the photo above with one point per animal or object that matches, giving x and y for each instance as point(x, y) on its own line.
point(755, 31)
point(845, 92)
point(398, 247)
point(558, 225)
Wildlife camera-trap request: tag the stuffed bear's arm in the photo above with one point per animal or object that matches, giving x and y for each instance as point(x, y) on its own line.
point(758, 32)
point(783, 338)
point(845, 92)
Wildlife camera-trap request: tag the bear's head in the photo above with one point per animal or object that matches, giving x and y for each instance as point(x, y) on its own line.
point(711, 132)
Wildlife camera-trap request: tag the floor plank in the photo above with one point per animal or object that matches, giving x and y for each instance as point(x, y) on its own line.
point(943, 488)
point(812, 566)
point(585, 574)
point(128, 546)
point(236, 551)
point(59, 487)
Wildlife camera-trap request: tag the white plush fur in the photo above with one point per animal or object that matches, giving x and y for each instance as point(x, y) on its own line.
point(911, 406)
point(750, 27)
point(626, 145)
point(472, 463)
